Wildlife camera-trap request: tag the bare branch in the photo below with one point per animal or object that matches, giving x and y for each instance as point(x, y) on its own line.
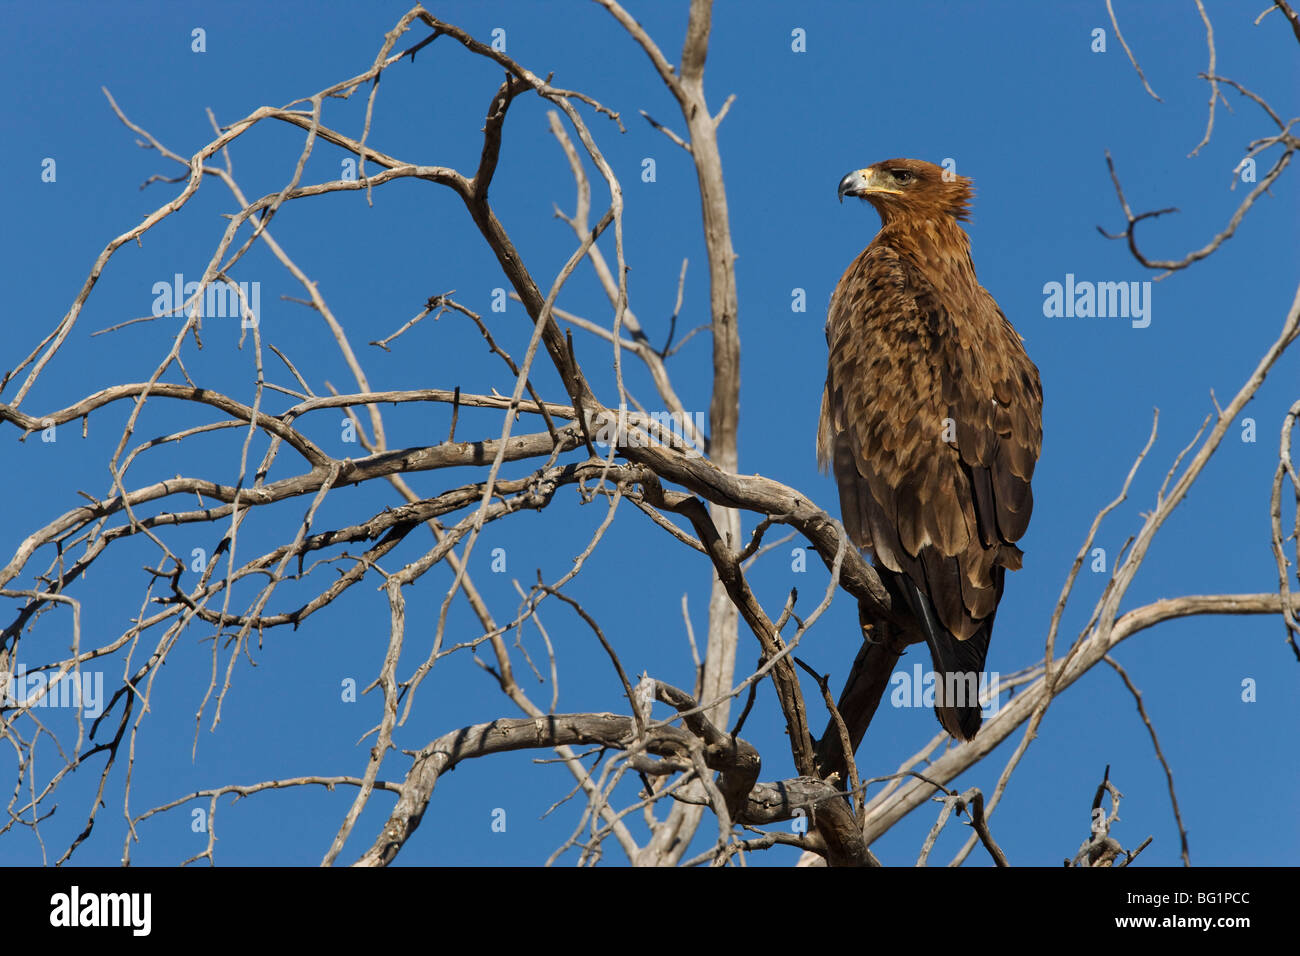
point(1155, 741)
point(1131, 58)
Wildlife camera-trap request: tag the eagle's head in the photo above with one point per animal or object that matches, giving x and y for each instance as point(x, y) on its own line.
point(910, 188)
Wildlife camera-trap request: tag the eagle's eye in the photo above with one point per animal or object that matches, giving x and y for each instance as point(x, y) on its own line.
point(901, 176)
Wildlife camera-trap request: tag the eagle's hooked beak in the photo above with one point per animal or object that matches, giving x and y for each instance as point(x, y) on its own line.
point(855, 183)
point(860, 182)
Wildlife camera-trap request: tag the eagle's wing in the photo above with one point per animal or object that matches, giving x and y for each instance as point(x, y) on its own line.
point(931, 421)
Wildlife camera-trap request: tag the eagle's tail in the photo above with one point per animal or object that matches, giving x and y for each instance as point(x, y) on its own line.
point(958, 665)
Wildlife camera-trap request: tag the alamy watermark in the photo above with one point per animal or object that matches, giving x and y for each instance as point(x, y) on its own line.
point(637, 430)
point(1102, 300)
point(919, 688)
point(221, 299)
point(38, 689)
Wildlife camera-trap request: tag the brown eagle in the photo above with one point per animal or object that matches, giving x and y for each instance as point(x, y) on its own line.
point(931, 420)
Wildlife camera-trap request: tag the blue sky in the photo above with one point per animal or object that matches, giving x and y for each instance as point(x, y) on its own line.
point(1012, 92)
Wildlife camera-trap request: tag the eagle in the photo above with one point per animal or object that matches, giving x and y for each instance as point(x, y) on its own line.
point(931, 421)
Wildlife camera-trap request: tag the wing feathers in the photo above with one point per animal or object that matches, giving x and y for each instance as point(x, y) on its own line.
point(932, 422)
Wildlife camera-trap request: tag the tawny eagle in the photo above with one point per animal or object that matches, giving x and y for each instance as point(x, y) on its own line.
point(931, 421)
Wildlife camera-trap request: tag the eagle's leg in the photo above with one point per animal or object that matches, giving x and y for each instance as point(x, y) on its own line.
point(882, 645)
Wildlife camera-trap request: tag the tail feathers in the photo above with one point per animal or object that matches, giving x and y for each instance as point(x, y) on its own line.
point(958, 665)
